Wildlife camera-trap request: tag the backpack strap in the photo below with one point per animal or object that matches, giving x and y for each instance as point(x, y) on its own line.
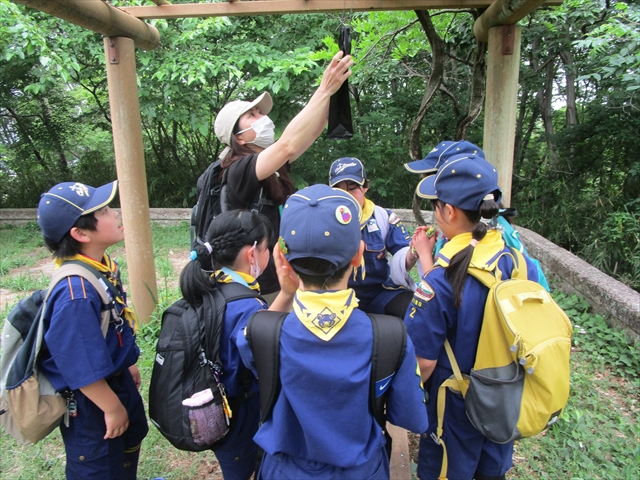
point(263, 337)
point(105, 289)
point(389, 346)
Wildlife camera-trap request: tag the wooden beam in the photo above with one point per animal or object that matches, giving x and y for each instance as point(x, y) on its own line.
point(503, 12)
point(281, 7)
point(100, 17)
point(501, 103)
point(129, 150)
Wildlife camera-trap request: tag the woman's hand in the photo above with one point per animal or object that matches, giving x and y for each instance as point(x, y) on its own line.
point(336, 73)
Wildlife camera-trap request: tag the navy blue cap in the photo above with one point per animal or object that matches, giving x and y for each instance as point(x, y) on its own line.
point(61, 207)
point(348, 168)
point(321, 222)
point(440, 154)
point(464, 182)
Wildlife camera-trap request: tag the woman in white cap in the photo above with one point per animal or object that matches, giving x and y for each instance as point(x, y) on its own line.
point(258, 166)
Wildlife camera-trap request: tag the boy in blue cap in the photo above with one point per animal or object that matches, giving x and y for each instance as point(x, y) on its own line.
point(383, 284)
point(321, 425)
point(448, 304)
point(95, 371)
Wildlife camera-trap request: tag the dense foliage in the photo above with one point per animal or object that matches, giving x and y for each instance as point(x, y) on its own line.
point(419, 78)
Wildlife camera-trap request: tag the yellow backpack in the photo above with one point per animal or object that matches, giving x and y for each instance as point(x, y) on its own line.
point(519, 383)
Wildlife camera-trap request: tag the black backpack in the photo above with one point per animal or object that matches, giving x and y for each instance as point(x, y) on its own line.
point(213, 200)
point(389, 346)
point(188, 347)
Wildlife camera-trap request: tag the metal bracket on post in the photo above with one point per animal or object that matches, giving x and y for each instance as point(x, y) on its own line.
point(508, 38)
point(113, 50)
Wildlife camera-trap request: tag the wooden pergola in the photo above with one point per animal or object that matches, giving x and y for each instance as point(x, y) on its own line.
point(124, 29)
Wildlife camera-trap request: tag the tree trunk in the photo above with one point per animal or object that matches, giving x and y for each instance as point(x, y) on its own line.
point(570, 80)
point(476, 98)
point(433, 84)
point(544, 97)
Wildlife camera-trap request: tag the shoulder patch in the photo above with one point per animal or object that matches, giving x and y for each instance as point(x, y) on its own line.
point(424, 291)
point(393, 218)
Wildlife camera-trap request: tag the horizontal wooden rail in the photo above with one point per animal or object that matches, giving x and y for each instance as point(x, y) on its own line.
point(281, 7)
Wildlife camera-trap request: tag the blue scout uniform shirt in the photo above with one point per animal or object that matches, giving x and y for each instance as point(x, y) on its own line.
point(432, 317)
point(77, 353)
point(322, 412)
point(376, 247)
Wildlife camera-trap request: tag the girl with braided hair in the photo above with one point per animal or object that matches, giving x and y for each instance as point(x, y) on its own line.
point(449, 305)
point(236, 250)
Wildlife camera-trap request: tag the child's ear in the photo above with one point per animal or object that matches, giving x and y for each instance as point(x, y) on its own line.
point(79, 235)
point(357, 258)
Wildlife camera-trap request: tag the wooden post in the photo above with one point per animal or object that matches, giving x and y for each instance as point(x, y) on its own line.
point(503, 65)
point(134, 198)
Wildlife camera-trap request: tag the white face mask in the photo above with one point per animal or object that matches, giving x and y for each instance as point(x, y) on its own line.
point(255, 269)
point(265, 132)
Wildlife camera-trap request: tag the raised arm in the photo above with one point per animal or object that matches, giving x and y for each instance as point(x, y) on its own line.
point(307, 126)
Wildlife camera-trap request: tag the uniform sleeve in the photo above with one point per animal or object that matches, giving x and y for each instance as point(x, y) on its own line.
point(406, 407)
point(426, 318)
point(241, 341)
point(397, 236)
point(74, 337)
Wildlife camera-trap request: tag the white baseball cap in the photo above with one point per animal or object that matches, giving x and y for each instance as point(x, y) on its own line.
point(229, 114)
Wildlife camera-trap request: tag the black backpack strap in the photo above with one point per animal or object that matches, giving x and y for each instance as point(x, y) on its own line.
point(263, 336)
point(389, 346)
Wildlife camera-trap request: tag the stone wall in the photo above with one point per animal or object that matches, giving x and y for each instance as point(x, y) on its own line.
point(619, 304)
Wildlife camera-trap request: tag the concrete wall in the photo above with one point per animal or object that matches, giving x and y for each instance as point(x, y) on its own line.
point(616, 302)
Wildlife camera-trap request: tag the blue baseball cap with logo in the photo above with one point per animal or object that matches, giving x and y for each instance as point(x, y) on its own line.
point(321, 222)
point(347, 168)
point(61, 207)
point(464, 182)
point(440, 154)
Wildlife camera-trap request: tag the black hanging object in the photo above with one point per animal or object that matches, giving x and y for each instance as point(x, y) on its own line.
point(340, 126)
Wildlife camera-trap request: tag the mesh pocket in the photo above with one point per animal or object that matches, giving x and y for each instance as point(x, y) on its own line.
point(208, 422)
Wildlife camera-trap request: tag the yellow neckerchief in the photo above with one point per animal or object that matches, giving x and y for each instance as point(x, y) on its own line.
point(110, 269)
point(485, 255)
point(367, 211)
point(324, 313)
point(226, 275)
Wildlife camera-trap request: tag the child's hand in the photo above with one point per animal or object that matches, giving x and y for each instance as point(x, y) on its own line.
point(289, 281)
point(422, 243)
point(117, 421)
point(135, 374)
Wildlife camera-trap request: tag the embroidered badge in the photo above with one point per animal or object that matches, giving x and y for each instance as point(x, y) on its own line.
point(282, 245)
point(393, 218)
point(343, 214)
point(325, 320)
point(80, 189)
point(424, 292)
point(372, 225)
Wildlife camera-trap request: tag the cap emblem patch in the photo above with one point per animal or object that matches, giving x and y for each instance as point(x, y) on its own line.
point(341, 166)
point(80, 189)
point(343, 214)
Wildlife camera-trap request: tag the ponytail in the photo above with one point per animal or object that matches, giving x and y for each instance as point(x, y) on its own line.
point(227, 235)
point(456, 272)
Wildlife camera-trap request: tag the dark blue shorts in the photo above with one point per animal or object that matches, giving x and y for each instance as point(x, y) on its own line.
point(89, 456)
